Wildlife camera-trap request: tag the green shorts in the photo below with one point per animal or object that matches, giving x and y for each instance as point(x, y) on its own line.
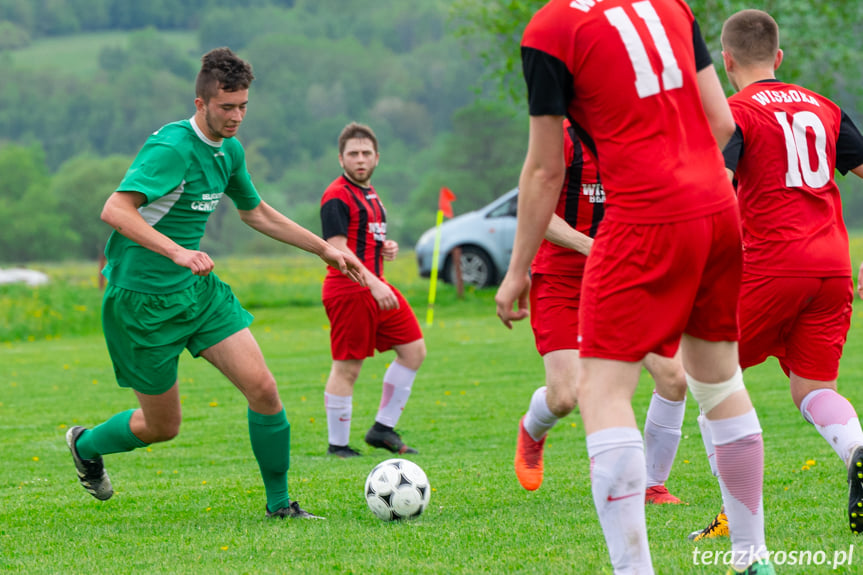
point(146, 333)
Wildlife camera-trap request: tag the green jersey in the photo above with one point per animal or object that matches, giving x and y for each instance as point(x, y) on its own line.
point(183, 175)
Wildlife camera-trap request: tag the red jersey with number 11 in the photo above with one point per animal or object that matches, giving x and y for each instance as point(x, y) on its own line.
point(624, 72)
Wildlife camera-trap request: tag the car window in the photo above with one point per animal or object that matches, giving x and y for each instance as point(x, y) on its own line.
point(507, 209)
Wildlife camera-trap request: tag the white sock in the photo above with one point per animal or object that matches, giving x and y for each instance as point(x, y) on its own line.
point(835, 419)
point(539, 418)
point(740, 460)
point(398, 380)
point(707, 439)
point(662, 437)
point(617, 478)
point(339, 409)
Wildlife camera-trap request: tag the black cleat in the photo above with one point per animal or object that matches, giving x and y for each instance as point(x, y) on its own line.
point(292, 511)
point(855, 491)
point(91, 472)
point(386, 437)
point(342, 451)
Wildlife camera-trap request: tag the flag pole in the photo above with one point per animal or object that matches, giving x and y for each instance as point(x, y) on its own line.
point(434, 269)
point(444, 208)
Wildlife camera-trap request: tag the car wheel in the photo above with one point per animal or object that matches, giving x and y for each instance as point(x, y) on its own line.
point(476, 268)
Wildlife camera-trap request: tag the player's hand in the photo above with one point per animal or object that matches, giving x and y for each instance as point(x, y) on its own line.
point(859, 285)
point(514, 289)
point(346, 263)
point(391, 250)
point(199, 262)
point(384, 295)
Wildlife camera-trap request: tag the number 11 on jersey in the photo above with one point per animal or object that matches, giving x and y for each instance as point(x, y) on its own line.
point(646, 80)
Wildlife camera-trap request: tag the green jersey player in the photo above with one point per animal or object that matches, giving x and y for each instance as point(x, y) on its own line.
point(162, 296)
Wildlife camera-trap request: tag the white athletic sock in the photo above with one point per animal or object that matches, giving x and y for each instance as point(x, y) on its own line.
point(740, 460)
point(398, 380)
point(339, 409)
point(707, 439)
point(835, 419)
point(662, 437)
point(617, 478)
point(539, 418)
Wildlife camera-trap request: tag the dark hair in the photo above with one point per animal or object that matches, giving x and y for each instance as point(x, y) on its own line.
point(751, 37)
point(222, 69)
point(356, 131)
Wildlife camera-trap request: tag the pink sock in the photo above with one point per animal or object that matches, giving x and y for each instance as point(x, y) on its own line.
point(835, 419)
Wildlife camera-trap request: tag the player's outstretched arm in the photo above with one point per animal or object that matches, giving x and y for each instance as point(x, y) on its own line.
point(271, 222)
point(561, 233)
point(715, 106)
point(121, 213)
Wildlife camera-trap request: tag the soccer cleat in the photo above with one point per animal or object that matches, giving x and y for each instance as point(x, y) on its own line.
point(855, 491)
point(659, 495)
point(342, 451)
point(760, 567)
point(292, 511)
point(386, 438)
point(717, 528)
point(528, 459)
point(91, 472)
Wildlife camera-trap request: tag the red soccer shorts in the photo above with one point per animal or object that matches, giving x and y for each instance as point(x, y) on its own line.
point(358, 326)
point(554, 303)
point(647, 284)
point(801, 321)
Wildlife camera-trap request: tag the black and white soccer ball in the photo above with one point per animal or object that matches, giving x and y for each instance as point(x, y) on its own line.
point(397, 489)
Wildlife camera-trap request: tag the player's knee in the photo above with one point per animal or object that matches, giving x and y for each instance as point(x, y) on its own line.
point(412, 355)
point(561, 406)
point(561, 397)
point(710, 395)
point(162, 431)
point(671, 384)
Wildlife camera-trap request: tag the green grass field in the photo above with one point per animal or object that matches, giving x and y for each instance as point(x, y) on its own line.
point(196, 504)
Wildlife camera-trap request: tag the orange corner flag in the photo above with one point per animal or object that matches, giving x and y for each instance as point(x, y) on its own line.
point(444, 202)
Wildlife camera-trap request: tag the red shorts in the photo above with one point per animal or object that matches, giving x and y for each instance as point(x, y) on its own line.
point(647, 284)
point(358, 326)
point(803, 322)
point(554, 303)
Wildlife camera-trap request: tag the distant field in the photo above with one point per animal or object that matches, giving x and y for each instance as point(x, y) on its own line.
point(79, 54)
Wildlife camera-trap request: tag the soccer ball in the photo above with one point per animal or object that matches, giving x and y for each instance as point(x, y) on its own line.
point(397, 489)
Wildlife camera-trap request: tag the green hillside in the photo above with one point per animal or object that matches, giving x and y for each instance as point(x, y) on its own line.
point(78, 55)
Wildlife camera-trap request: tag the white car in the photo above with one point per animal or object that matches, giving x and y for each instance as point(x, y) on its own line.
point(485, 237)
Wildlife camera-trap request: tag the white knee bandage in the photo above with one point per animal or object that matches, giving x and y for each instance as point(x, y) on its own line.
point(709, 395)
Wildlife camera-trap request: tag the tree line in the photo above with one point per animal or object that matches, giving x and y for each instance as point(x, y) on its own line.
point(318, 65)
point(438, 80)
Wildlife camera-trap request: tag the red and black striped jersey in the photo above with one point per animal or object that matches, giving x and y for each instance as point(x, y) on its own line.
point(624, 72)
point(358, 214)
point(788, 142)
point(581, 205)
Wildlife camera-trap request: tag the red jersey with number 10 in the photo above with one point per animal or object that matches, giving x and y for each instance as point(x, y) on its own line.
point(624, 72)
point(581, 205)
point(790, 206)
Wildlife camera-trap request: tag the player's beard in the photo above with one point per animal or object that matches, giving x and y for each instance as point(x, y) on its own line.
point(363, 180)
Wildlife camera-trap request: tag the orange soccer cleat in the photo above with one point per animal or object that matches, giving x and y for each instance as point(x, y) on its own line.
point(528, 459)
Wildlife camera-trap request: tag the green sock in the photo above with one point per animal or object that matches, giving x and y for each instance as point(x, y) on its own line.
point(271, 443)
point(112, 436)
